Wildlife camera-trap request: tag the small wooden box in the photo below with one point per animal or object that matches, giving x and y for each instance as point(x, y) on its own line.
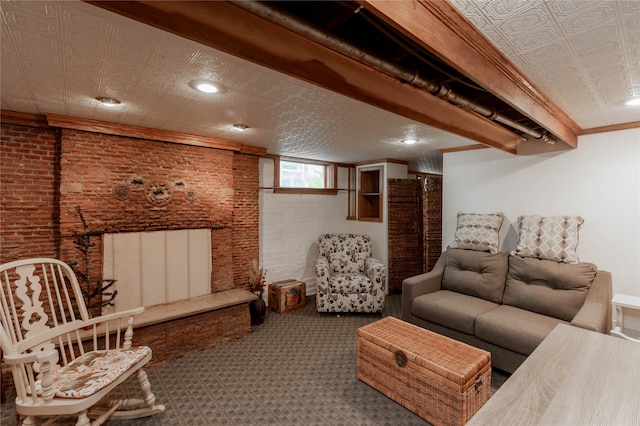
point(287, 295)
point(440, 379)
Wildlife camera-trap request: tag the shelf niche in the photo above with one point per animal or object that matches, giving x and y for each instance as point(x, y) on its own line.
point(370, 193)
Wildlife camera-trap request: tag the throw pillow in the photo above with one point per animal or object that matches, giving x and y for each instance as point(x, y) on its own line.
point(549, 288)
point(478, 232)
point(551, 238)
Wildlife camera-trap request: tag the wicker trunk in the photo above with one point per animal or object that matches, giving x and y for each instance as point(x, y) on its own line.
point(440, 379)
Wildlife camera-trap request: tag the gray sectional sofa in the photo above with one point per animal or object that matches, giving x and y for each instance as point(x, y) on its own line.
point(506, 304)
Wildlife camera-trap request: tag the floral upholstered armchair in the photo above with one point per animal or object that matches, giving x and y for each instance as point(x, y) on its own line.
point(348, 279)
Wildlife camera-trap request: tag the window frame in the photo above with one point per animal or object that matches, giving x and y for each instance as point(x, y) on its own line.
point(330, 177)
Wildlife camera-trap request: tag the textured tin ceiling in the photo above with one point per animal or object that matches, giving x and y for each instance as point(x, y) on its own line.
point(58, 56)
point(585, 55)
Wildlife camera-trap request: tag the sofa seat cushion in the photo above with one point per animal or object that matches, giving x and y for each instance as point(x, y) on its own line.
point(450, 309)
point(476, 273)
point(349, 283)
point(548, 287)
point(513, 328)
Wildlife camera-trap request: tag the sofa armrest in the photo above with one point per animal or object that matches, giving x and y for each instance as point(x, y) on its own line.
point(421, 284)
point(377, 273)
point(323, 272)
point(595, 314)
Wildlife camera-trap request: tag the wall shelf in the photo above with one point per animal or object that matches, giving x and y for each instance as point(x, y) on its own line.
point(370, 193)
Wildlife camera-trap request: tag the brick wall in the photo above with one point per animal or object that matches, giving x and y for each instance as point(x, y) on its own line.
point(29, 161)
point(210, 188)
point(246, 214)
point(46, 173)
point(172, 339)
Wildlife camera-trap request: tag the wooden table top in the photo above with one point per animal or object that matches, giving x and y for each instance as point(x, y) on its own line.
point(575, 377)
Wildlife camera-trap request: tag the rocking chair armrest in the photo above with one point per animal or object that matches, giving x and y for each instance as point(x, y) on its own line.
point(37, 362)
point(114, 316)
point(30, 357)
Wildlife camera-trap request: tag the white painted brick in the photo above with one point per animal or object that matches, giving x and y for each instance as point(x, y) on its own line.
point(290, 225)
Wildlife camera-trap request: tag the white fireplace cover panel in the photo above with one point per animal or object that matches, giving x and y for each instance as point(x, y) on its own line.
point(152, 268)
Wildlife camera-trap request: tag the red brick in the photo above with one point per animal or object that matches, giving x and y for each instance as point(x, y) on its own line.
point(35, 163)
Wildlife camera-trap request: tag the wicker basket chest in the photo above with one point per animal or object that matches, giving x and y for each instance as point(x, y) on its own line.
point(440, 379)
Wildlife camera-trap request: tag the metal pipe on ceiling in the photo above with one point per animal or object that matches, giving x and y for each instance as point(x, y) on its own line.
point(305, 29)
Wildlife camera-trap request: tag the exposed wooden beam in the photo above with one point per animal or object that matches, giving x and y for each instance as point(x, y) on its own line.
point(228, 28)
point(463, 148)
point(441, 29)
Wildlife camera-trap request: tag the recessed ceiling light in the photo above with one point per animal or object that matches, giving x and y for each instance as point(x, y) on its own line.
point(634, 102)
point(109, 102)
point(240, 127)
point(409, 141)
point(205, 86)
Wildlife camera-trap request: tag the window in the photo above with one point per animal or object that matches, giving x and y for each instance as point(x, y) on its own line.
point(301, 176)
point(295, 174)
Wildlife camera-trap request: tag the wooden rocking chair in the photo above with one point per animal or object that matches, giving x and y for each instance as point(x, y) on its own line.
point(63, 362)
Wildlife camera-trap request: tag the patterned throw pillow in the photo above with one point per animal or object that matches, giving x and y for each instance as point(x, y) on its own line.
point(478, 232)
point(551, 237)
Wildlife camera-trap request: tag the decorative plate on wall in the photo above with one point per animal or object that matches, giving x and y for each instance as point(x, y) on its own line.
point(190, 195)
point(121, 192)
point(137, 183)
point(158, 193)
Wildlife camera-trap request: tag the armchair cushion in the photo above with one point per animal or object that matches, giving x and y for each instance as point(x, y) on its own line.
point(345, 264)
point(349, 283)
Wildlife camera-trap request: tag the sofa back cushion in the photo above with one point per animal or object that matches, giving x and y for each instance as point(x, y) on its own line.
point(550, 288)
point(476, 273)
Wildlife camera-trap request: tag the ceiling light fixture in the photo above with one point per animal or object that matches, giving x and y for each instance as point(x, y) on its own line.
point(634, 102)
point(108, 102)
point(204, 86)
point(409, 141)
point(240, 127)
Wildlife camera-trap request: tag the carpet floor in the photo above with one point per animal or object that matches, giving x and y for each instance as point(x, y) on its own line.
point(298, 368)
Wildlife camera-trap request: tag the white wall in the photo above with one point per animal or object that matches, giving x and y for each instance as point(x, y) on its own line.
point(379, 231)
point(599, 181)
point(290, 225)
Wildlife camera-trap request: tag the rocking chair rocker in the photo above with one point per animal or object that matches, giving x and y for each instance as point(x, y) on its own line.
point(63, 362)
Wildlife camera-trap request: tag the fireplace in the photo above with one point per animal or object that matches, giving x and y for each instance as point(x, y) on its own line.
point(152, 268)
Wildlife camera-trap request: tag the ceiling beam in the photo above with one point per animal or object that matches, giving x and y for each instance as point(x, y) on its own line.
point(233, 30)
point(438, 27)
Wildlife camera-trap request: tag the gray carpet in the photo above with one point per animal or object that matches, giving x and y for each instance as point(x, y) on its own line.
point(298, 368)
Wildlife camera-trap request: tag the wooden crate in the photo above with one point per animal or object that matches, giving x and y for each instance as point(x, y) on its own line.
point(440, 379)
point(287, 295)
